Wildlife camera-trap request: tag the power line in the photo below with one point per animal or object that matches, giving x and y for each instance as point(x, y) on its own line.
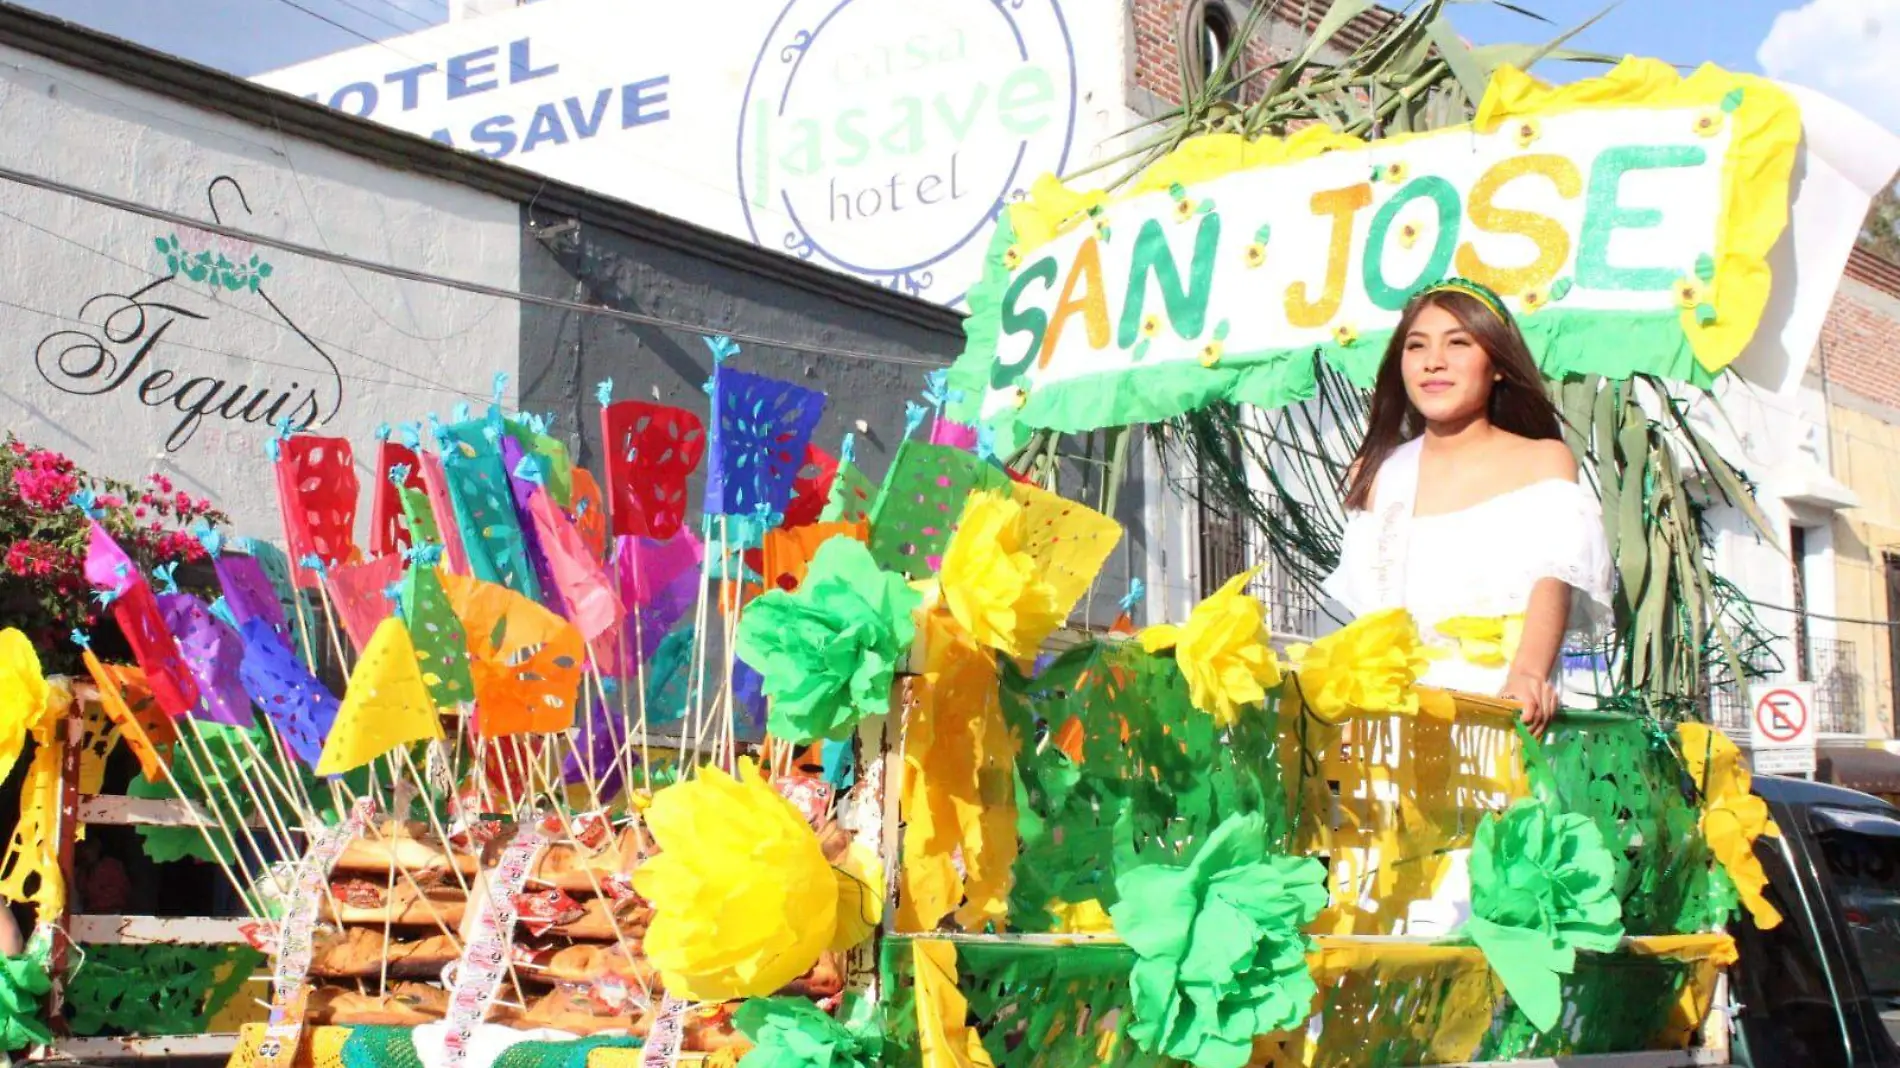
point(53, 185)
point(424, 384)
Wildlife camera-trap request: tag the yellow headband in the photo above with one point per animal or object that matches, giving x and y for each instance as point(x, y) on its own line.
point(1474, 291)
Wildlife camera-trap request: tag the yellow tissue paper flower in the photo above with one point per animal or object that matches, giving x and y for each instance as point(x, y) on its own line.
point(1370, 665)
point(1485, 641)
point(1732, 816)
point(1222, 651)
point(743, 899)
point(992, 583)
point(22, 696)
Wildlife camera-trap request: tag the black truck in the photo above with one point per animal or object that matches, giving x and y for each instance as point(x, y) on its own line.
point(1822, 989)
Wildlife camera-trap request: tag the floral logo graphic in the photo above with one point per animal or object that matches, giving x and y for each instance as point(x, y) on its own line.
point(211, 267)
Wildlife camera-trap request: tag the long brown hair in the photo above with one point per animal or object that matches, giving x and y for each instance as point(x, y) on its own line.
point(1519, 402)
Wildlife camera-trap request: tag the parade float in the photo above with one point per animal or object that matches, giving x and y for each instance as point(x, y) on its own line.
point(550, 768)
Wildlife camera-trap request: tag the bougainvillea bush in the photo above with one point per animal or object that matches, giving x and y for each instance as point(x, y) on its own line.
point(43, 590)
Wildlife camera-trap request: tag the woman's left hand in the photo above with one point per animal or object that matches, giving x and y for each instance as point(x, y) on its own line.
point(1538, 697)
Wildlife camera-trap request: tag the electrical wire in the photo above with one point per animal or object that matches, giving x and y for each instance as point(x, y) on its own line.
point(271, 321)
point(133, 207)
point(260, 361)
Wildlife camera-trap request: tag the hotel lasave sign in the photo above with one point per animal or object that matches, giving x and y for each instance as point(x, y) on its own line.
point(1627, 222)
point(876, 137)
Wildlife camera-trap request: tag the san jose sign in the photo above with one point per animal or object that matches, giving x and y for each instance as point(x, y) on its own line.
point(1627, 221)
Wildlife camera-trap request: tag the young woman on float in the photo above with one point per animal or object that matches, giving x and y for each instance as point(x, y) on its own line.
point(1463, 505)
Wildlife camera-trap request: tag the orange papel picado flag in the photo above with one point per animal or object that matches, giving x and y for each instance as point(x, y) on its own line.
point(387, 704)
point(526, 661)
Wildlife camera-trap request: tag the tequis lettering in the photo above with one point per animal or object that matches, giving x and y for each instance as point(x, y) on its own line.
point(136, 342)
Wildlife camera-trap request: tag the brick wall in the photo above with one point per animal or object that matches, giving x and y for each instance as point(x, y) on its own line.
point(1861, 338)
point(1158, 22)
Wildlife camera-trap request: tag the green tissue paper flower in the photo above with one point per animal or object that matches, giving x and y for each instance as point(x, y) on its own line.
point(1221, 954)
point(827, 650)
point(24, 984)
point(1542, 887)
point(794, 1033)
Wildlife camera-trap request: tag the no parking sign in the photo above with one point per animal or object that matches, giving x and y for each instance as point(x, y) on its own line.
point(1781, 728)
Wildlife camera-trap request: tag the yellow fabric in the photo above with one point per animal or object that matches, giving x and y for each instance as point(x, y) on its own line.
point(1486, 641)
point(1732, 816)
point(1082, 917)
point(31, 705)
point(1222, 651)
point(387, 703)
point(1756, 174)
point(959, 796)
point(744, 901)
point(1387, 798)
point(860, 878)
point(943, 1039)
point(1371, 665)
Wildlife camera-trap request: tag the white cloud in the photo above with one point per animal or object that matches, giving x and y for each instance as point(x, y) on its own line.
point(1848, 49)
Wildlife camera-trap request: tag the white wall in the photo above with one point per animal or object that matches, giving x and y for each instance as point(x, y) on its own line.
point(875, 137)
point(1772, 437)
point(186, 378)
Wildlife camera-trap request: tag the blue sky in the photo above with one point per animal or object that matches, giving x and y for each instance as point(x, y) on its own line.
point(1844, 47)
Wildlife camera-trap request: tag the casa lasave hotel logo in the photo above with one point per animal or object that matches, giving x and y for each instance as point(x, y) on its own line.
point(882, 137)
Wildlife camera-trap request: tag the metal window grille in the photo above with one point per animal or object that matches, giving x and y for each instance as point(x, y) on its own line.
point(1231, 545)
point(1836, 675)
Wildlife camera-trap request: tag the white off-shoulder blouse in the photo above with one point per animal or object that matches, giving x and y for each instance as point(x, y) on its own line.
point(1478, 562)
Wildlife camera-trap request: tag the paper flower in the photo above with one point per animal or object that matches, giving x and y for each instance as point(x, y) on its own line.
point(1256, 255)
point(1732, 816)
point(794, 1033)
point(1222, 651)
point(743, 900)
point(1345, 335)
point(1220, 953)
point(1370, 665)
point(1211, 353)
point(1532, 299)
point(827, 650)
point(1527, 131)
point(1486, 642)
point(1708, 122)
point(1184, 209)
point(1396, 173)
point(992, 584)
point(1012, 257)
point(1689, 292)
point(1541, 889)
point(1408, 234)
point(1150, 326)
point(24, 984)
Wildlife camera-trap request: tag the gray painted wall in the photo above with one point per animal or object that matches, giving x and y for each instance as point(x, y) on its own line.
point(563, 353)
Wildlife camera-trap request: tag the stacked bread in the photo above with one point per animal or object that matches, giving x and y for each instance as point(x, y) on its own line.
point(391, 922)
point(398, 895)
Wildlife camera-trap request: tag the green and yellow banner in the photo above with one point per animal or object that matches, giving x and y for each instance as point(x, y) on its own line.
point(1627, 221)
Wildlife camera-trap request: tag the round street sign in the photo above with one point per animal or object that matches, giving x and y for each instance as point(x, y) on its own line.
point(1781, 715)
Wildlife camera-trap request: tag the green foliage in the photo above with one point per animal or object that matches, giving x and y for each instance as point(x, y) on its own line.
point(210, 267)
